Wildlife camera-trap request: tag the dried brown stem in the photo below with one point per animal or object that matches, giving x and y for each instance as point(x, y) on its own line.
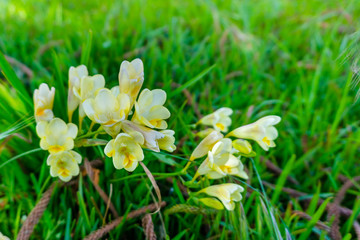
point(319, 224)
point(148, 227)
point(35, 215)
point(25, 69)
point(107, 228)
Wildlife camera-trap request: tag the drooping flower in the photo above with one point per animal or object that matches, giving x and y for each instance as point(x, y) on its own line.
point(89, 85)
point(75, 76)
point(149, 109)
point(220, 162)
point(125, 150)
point(43, 103)
point(242, 146)
point(151, 137)
point(227, 193)
point(56, 136)
point(108, 109)
point(262, 131)
point(131, 78)
point(219, 119)
point(64, 164)
point(167, 142)
point(206, 145)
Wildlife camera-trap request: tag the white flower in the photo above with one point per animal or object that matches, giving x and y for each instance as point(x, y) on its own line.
point(108, 109)
point(149, 109)
point(206, 145)
point(43, 103)
point(64, 164)
point(131, 78)
point(56, 136)
point(227, 193)
point(75, 76)
point(219, 119)
point(262, 131)
point(167, 142)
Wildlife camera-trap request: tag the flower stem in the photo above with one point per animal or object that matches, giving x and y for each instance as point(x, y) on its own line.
point(156, 175)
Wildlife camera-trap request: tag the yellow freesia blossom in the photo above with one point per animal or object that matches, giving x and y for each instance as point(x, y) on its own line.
point(43, 103)
point(227, 193)
point(242, 146)
point(64, 164)
point(220, 162)
point(131, 78)
point(125, 150)
point(89, 85)
point(108, 109)
point(75, 76)
point(149, 109)
point(167, 142)
point(219, 119)
point(56, 136)
point(206, 145)
point(204, 133)
point(262, 131)
point(212, 202)
point(151, 137)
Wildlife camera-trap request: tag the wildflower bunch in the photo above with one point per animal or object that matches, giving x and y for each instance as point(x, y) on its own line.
point(133, 122)
point(223, 154)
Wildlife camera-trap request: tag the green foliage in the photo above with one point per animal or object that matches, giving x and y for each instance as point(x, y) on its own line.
point(261, 57)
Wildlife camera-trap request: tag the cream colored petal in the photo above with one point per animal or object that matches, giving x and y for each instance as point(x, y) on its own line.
point(204, 167)
point(269, 120)
point(206, 145)
point(225, 111)
point(109, 148)
point(57, 127)
point(44, 144)
point(138, 65)
point(76, 156)
point(118, 160)
point(251, 131)
point(271, 133)
point(242, 146)
point(41, 128)
point(212, 202)
point(158, 112)
point(145, 98)
point(132, 166)
point(159, 97)
point(72, 130)
point(88, 107)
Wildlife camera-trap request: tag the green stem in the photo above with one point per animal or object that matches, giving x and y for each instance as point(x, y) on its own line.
point(90, 134)
point(161, 175)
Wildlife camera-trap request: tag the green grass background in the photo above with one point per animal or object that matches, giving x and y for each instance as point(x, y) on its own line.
point(278, 57)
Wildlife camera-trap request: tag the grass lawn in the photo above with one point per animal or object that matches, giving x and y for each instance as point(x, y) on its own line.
point(294, 59)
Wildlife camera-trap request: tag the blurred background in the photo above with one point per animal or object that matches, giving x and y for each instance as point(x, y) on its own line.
point(295, 59)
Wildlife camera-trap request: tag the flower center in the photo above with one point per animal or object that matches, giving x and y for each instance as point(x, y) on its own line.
point(220, 126)
point(266, 141)
point(56, 149)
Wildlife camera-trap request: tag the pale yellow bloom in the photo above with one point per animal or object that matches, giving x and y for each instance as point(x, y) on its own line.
point(206, 145)
point(3, 237)
point(64, 164)
point(227, 193)
point(125, 150)
point(167, 142)
point(212, 202)
point(151, 137)
point(204, 133)
point(149, 109)
point(262, 131)
point(75, 76)
point(131, 78)
point(43, 103)
point(89, 85)
point(219, 119)
point(108, 109)
point(56, 136)
point(220, 162)
point(242, 146)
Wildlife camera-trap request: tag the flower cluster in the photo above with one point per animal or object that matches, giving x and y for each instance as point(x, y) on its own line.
point(223, 155)
point(131, 130)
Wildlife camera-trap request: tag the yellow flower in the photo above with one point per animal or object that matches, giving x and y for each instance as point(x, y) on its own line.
point(131, 78)
point(219, 119)
point(220, 162)
point(167, 142)
point(125, 150)
point(43, 103)
point(151, 137)
point(149, 109)
point(206, 145)
point(204, 133)
point(227, 193)
point(108, 109)
point(75, 76)
point(242, 146)
point(262, 131)
point(56, 136)
point(64, 164)
point(89, 85)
